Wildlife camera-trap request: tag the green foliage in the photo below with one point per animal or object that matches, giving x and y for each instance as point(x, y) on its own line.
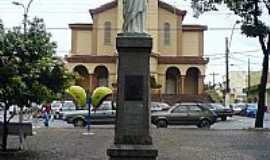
point(252, 14)
point(29, 72)
point(249, 10)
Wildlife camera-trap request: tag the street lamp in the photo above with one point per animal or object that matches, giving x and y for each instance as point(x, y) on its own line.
point(26, 9)
point(228, 46)
point(25, 14)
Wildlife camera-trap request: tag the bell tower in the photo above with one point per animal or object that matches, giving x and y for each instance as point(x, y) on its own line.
point(152, 23)
point(119, 15)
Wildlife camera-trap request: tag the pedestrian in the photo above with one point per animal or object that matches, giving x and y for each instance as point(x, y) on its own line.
point(46, 109)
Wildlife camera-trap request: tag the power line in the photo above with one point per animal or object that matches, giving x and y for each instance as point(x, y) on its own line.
point(234, 52)
point(149, 29)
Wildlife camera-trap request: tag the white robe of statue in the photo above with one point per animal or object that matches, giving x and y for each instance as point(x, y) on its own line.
point(134, 14)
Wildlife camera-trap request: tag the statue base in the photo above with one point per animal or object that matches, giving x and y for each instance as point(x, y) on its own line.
point(132, 152)
point(132, 139)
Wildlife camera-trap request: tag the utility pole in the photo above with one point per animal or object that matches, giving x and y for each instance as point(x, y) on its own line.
point(214, 78)
point(227, 89)
point(248, 78)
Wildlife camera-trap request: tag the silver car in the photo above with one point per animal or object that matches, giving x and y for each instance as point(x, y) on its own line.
point(185, 114)
point(105, 114)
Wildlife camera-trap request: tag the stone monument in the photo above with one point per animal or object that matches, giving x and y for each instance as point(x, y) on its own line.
point(132, 129)
point(134, 15)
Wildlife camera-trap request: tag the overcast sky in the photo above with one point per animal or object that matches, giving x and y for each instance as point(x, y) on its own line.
point(59, 13)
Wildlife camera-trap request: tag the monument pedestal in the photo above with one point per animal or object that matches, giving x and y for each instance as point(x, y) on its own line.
point(132, 152)
point(132, 130)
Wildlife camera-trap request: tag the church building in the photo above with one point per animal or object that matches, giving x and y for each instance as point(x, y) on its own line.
point(176, 64)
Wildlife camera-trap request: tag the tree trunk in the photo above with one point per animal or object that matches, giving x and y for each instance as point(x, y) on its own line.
point(262, 90)
point(5, 129)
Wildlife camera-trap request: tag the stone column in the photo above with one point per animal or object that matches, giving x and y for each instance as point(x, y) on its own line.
point(183, 84)
point(90, 82)
point(200, 84)
point(132, 130)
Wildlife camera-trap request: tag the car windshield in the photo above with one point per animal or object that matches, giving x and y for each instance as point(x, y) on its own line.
point(68, 105)
point(218, 106)
point(164, 105)
point(252, 106)
point(56, 104)
point(106, 105)
point(160, 105)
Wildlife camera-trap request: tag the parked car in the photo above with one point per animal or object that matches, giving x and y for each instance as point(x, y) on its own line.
point(159, 106)
point(67, 106)
point(185, 114)
point(58, 107)
point(237, 107)
point(220, 110)
point(249, 110)
point(105, 114)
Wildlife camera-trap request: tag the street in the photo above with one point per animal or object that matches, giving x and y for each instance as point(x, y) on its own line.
point(235, 122)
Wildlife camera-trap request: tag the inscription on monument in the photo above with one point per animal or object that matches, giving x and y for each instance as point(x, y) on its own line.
point(133, 88)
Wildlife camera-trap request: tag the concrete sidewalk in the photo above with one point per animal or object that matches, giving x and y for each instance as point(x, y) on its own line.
point(173, 144)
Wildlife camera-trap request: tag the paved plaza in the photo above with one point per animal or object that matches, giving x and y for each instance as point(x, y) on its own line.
point(226, 140)
point(172, 143)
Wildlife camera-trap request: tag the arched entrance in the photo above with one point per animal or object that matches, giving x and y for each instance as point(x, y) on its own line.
point(173, 81)
point(83, 81)
point(101, 76)
point(192, 81)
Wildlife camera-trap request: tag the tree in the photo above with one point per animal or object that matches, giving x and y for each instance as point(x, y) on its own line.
point(29, 70)
point(252, 13)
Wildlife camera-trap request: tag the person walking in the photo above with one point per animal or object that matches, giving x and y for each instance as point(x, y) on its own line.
point(46, 109)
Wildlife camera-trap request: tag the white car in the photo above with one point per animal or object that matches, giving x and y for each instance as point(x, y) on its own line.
point(61, 106)
point(237, 108)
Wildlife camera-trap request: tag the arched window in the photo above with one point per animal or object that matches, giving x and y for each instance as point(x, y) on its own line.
point(107, 33)
point(167, 34)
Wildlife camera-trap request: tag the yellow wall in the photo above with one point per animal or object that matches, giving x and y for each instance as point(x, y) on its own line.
point(186, 43)
point(152, 23)
point(111, 16)
point(81, 41)
point(167, 17)
point(191, 45)
point(153, 64)
point(119, 16)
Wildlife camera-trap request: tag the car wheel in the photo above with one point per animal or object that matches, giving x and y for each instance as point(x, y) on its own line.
point(79, 123)
point(224, 118)
point(162, 124)
point(204, 123)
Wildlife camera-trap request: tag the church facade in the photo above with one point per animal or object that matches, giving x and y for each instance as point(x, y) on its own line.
point(177, 64)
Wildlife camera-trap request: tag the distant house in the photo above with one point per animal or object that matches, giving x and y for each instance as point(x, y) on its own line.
point(177, 62)
point(239, 83)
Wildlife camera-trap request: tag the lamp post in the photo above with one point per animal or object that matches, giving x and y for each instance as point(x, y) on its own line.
point(25, 14)
point(227, 52)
